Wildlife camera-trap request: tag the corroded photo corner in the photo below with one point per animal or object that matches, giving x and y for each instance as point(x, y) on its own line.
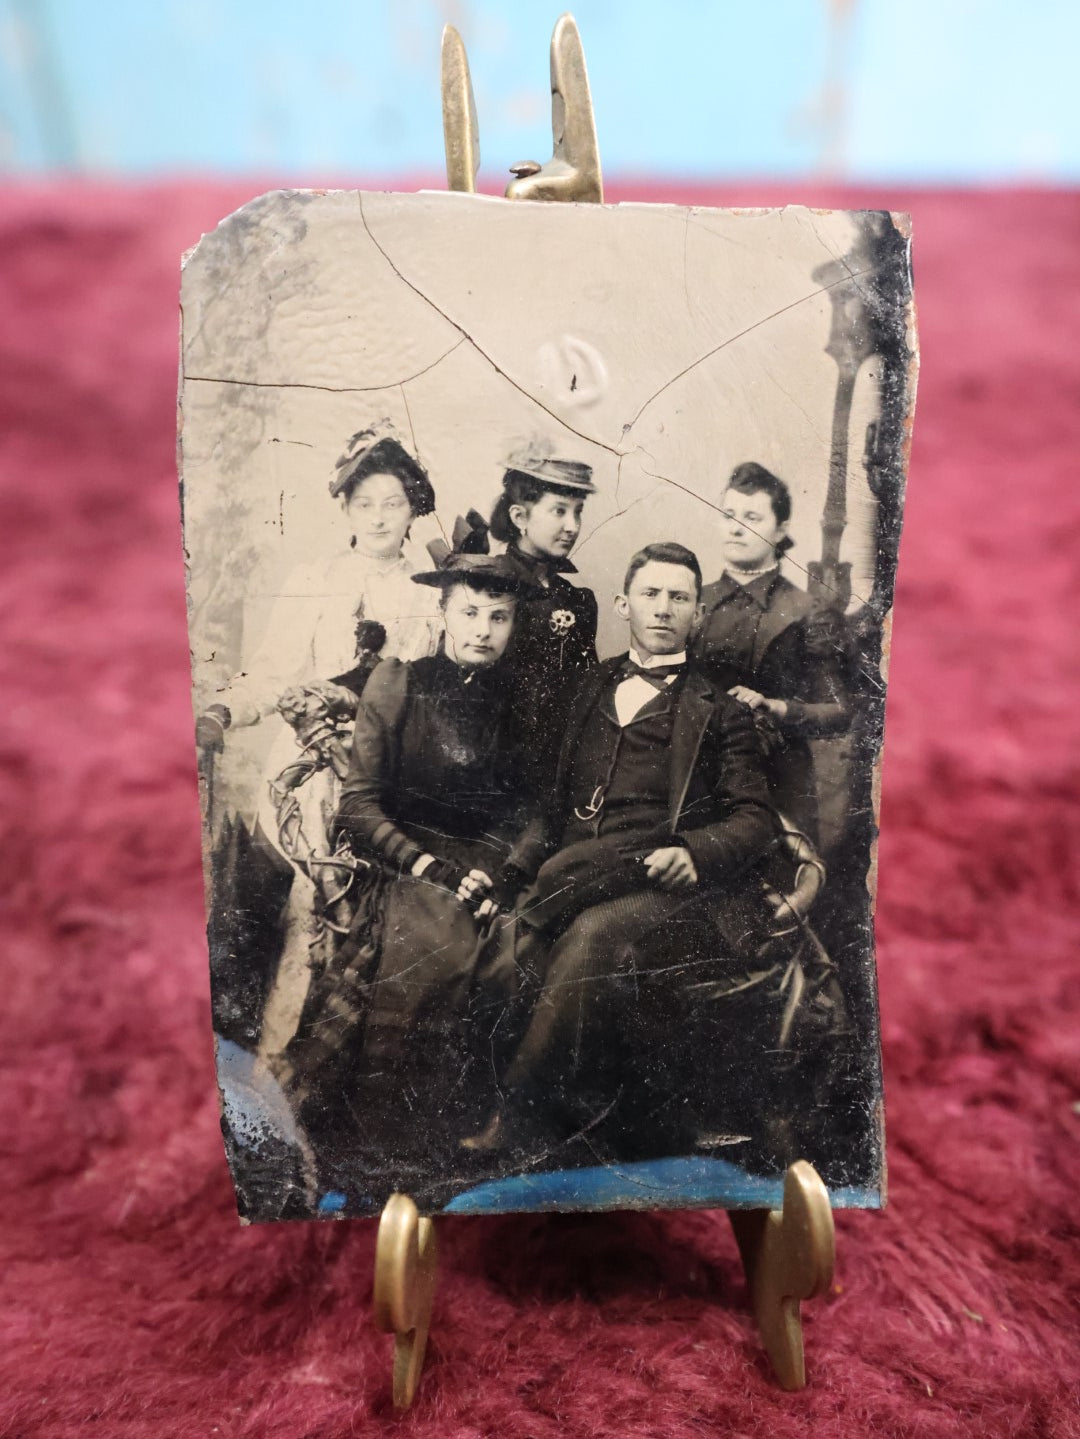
point(541, 563)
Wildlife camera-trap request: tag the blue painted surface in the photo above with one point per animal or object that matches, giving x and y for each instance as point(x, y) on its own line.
point(968, 89)
point(254, 1104)
point(655, 1184)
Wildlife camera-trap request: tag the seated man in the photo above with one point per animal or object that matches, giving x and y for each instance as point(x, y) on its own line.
point(659, 819)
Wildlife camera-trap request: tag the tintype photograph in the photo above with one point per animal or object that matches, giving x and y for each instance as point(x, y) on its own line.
point(540, 572)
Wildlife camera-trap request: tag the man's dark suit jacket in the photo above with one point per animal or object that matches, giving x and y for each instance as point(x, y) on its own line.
point(718, 795)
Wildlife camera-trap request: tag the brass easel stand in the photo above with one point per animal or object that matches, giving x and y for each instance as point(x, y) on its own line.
point(787, 1256)
point(405, 1264)
point(788, 1253)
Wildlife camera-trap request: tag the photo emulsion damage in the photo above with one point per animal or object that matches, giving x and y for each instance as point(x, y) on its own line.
point(540, 572)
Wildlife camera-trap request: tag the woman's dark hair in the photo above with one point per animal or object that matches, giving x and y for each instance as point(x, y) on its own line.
point(752, 479)
point(486, 585)
point(522, 489)
point(665, 552)
point(389, 457)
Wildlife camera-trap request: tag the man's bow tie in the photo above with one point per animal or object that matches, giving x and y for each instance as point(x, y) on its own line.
point(657, 675)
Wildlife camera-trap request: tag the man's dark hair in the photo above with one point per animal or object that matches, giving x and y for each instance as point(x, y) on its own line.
point(665, 552)
point(752, 478)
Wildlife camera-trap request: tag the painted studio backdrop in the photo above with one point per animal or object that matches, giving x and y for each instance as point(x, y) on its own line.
point(631, 359)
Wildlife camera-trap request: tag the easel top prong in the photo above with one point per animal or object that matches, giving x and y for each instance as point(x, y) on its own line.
point(573, 172)
point(461, 131)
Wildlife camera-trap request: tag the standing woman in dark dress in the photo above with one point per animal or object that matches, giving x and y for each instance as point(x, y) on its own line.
point(538, 517)
point(764, 640)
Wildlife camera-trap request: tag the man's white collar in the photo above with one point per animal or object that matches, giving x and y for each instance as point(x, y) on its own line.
point(651, 662)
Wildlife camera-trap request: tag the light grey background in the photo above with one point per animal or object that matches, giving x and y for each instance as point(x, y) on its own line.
point(661, 345)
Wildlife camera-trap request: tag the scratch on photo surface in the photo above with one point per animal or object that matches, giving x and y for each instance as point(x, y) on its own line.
point(535, 1159)
point(589, 439)
point(817, 433)
point(328, 389)
point(853, 276)
point(681, 967)
point(740, 335)
point(625, 510)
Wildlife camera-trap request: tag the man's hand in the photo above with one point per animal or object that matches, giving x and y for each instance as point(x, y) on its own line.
point(777, 708)
point(671, 868)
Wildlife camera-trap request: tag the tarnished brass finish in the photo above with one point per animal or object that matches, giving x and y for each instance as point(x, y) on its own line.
point(788, 1255)
point(461, 133)
point(573, 172)
point(405, 1266)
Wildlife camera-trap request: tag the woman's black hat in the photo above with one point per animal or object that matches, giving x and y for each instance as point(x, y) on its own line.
point(495, 572)
point(375, 451)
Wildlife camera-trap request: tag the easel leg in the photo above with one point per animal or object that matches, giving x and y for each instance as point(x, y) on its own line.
point(788, 1255)
point(405, 1266)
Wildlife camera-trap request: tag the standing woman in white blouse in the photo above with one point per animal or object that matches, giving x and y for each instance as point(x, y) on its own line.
point(311, 637)
point(311, 633)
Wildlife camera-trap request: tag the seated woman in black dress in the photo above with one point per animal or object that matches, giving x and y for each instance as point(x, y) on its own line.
point(538, 517)
point(434, 797)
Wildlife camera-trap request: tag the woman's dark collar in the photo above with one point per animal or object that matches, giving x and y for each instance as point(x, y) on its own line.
point(468, 674)
point(759, 587)
point(532, 563)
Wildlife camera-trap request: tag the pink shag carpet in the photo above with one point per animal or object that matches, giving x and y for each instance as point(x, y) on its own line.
point(133, 1305)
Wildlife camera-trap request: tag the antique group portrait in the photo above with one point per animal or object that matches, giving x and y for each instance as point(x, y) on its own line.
point(540, 566)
